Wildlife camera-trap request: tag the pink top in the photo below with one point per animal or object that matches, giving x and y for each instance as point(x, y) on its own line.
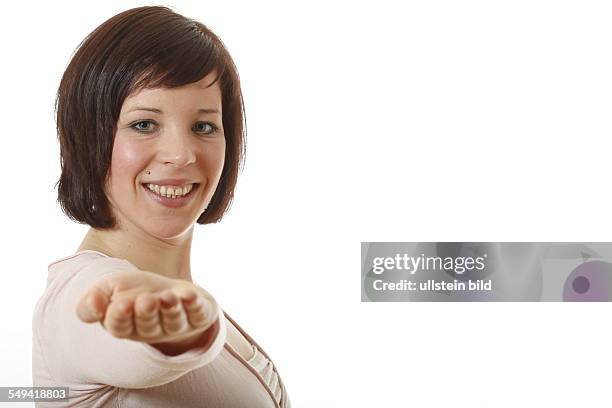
point(101, 370)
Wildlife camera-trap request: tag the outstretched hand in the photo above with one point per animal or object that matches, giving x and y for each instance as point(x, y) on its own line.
point(147, 307)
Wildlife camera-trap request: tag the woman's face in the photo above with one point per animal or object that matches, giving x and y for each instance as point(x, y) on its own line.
point(182, 139)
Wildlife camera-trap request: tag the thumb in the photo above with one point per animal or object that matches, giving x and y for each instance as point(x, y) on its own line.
point(92, 305)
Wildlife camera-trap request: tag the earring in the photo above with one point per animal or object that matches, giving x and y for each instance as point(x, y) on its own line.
point(148, 172)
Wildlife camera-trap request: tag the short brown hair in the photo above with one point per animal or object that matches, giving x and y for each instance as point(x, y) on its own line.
point(144, 47)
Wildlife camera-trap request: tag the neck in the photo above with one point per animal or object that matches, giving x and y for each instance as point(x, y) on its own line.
point(167, 257)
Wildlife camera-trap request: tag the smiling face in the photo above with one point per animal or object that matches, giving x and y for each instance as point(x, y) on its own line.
point(182, 139)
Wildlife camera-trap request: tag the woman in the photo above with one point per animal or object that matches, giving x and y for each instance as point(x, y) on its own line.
point(150, 123)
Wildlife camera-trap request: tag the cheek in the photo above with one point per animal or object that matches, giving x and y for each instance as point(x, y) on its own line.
point(214, 159)
point(128, 158)
point(127, 162)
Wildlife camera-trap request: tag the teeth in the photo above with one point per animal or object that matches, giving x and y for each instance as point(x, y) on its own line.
point(170, 191)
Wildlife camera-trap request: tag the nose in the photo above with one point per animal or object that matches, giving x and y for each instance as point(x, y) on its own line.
point(177, 147)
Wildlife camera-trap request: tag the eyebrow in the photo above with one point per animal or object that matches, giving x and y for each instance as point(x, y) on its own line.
point(144, 108)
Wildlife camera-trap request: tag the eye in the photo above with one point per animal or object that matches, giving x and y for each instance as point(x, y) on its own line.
point(139, 129)
point(202, 127)
point(211, 126)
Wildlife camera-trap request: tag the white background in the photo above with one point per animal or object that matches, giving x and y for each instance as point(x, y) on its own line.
point(425, 121)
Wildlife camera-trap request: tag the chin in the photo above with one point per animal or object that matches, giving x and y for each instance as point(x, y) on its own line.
point(169, 230)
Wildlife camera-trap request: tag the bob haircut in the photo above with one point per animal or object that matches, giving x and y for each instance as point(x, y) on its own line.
point(144, 47)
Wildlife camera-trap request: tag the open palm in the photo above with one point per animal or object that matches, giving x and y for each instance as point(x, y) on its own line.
point(147, 307)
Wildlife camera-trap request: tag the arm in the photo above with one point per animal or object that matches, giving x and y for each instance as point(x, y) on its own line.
point(79, 352)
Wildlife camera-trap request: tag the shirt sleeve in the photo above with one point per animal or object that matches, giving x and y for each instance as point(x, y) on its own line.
point(79, 352)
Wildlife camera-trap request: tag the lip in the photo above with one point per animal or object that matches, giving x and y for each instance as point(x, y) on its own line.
point(170, 182)
point(172, 202)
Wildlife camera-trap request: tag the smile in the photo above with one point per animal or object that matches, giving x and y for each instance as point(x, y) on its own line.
point(170, 196)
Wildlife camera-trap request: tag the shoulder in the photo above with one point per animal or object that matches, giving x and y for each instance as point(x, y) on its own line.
point(95, 262)
point(83, 257)
point(69, 276)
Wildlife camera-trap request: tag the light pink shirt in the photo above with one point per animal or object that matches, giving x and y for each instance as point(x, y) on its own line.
point(101, 370)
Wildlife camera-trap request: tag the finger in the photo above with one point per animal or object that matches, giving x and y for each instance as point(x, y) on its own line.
point(173, 316)
point(92, 306)
point(119, 319)
point(199, 308)
point(199, 311)
point(148, 323)
point(186, 293)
